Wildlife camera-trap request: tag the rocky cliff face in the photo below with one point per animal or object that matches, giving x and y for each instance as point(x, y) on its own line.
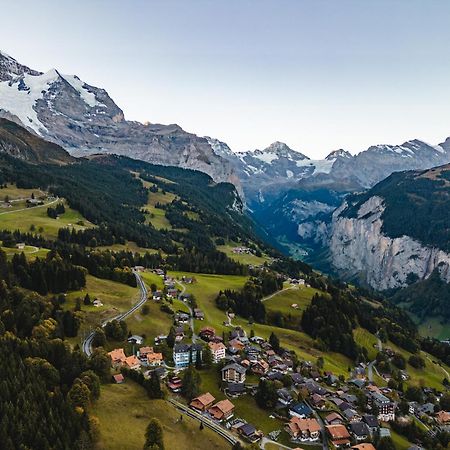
point(85, 120)
point(18, 142)
point(359, 248)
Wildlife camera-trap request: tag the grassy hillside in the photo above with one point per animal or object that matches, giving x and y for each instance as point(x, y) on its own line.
point(116, 298)
point(282, 302)
point(206, 290)
point(21, 218)
point(124, 411)
point(244, 258)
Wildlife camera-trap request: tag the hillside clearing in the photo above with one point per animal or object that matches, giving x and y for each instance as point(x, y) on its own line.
point(124, 411)
point(24, 218)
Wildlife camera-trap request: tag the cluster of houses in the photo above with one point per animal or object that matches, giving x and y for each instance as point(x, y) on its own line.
point(343, 423)
point(223, 412)
point(145, 357)
point(242, 251)
point(427, 411)
point(254, 354)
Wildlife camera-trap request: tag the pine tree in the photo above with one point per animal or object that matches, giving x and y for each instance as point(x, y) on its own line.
point(87, 299)
point(154, 435)
point(274, 342)
point(207, 358)
point(153, 386)
point(191, 383)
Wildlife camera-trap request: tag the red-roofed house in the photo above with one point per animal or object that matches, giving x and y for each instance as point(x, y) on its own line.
point(117, 357)
point(202, 402)
point(222, 410)
point(339, 435)
point(303, 429)
point(218, 350)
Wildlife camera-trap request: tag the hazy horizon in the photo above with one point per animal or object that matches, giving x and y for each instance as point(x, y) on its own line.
point(317, 75)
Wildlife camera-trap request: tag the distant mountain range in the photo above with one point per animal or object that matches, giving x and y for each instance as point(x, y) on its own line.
point(293, 196)
point(290, 195)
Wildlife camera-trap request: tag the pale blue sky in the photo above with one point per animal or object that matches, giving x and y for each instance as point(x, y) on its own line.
point(318, 75)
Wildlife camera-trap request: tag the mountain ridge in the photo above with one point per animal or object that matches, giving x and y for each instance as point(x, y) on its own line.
point(84, 119)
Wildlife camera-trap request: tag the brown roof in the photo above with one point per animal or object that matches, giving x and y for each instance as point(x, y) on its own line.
point(236, 343)
point(118, 378)
point(208, 330)
point(443, 417)
point(205, 399)
point(154, 357)
point(333, 416)
point(338, 432)
point(363, 447)
point(117, 354)
point(310, 425)
point(132, 361)
point(145, 350)
point(216, 346)
point(224, 405)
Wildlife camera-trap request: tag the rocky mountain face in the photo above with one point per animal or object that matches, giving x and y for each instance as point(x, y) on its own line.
point(18, 142)
point(293, 197)
point(85, 120)
point(359, 249)
point(396, 234)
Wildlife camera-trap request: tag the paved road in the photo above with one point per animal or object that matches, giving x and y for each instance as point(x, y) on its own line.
point(87, 343)
point(371, 365)
point(279, 292)
point(191, 320)
point(31, 207)
point(230, 437)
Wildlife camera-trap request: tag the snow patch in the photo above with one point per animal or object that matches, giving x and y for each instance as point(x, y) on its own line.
point(268, 158)
point(20, 97)
point(320, 165)
point(80, 86)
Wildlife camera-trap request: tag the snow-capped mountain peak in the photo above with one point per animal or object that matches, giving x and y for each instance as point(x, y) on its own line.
point(84, 119)
point(339, 154)
point(282, 150)
point(10, 68)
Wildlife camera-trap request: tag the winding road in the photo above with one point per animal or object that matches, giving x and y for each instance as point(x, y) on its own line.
point(87, 343)
point(29, 208)
point(191, 312)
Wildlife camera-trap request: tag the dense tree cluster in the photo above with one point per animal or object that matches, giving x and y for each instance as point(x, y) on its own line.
point(116, 330)
point(427, 298)
point(266, 396)
point(56, 211)
point(247, 302)
point(438, 349)
point(119, 215)
point(46, 388)
point(53, 274)
point(331, 321)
